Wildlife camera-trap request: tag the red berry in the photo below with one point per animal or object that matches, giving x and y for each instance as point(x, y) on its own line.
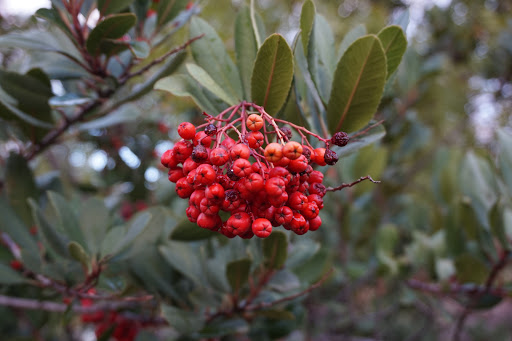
point(299, 224)
point(292, 150)
point(239, 223)
point(316, 177)
point(239, 151)
point(228, 143)
point(254, 122)
point(254, 182)
point(315, 223)
point(215, 192)
point(283, 215)
point(254, 139)
point(298, 165)
point(199, 154)
point(192, 213)
point(183, 188)
point(175, 174)
point(202, 138)
point(319, 156)
point(241, 168)
point(310, 210)
point(219, 156)
point(210, 222)
point(262, 227)
point(208, 207)
point(205, 174)
point(297, 201)
point(187, 130)
point(182, 150)
point(275, 186)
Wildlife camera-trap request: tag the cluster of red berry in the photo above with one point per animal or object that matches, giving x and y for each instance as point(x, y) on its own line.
point(258, 183)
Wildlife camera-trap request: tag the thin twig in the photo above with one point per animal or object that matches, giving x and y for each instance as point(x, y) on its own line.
point(128, 76)
point(457, 331)
point(340, 187)
point(265, 305)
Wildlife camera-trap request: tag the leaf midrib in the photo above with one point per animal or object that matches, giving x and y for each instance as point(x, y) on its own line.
point(269, 83)
point(351, 97)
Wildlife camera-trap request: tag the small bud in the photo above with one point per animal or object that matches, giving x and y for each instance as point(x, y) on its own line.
point(340, 139)
point(330, 157)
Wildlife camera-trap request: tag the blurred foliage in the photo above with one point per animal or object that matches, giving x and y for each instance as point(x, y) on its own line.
point(411, 257)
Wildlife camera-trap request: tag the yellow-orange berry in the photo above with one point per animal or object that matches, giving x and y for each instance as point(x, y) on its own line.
point(292, 150)
point(273, 152)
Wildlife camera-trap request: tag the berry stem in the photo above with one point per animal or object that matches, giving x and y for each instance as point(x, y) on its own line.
point(340, 187)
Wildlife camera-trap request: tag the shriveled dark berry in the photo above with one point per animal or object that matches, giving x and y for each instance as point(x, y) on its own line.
point(231, 195)
point(231, 175)
point(210, 129)
point(199, 154)
point(340, 139)
point(287, 132)
point(330, 157)
point(317, 188)
point(307, 153)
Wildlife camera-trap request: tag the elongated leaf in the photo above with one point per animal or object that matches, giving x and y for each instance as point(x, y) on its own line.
point(307, 19)
point(505, 157)
point(134, 229)
point(246, 48)
point(497, 225)
point(9, 276)
point(394, 43)
point(200, 75)
point(357, 85)
point(52, 15)
point(255, 23)
point(185, 322)
point(53, 239)
point(14, 227)
point(112, 27)
point(66, 217)
point(94, 222)
point(352, 35)
point(237, 273)
point(210, 54)
point(78, 253)
point(68, 100)
point(183, 258)
point(169, 9)
point(19, 186)
point(113, 6)
point(321, 57)
point(185, 86)
point(471, 269)
point(275, 250)
point(272, 74)
point(187, 231)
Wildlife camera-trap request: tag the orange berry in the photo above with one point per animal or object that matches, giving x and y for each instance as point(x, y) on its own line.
point(292, 150)
point(254, 122)
point(273, 152)
point(319, 156)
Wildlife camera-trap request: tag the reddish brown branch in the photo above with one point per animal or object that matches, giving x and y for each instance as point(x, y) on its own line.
point(340, 187)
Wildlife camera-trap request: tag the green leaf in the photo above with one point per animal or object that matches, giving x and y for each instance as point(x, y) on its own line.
point(187, 231)
point(136, 226)
point(478, 182)
point(77, 252)
point(68, 100)
point(471, 269)
point(237, 273)
point(200, 75)
point(255, 23)
point(94, 223)
point(140, 49)
point(53, 16)
point(275, 314)
point(19, 186)
point(183, 258)
point(9, 276)
point(275, 250)
point(66, 217)
point(113, 6)
point(112, 47)
point(320, 56)
point(185, 86)
point(246, 48)
point(394, 43)
point(210, 54)
point(14, 227)
point(169, 9)
point(307, 19)
point(272, 74)
point(284, 281)
point(185, 322)
point(497, 225)
point(357, 86)
point(223, 327)
point(352, 35)
point(505, 157)
point(127, 113)
point(53, 239)
point(112, 27)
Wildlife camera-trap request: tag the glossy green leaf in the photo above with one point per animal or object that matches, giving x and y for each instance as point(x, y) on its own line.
point(140, 49)
point(53, 16)
point(307, 19)
point(185, 322)
point(477, 181)
point(237, 273)
point(275, 250)
point(187, 231)
point(471, 269)
point(113, 6)
point(321, 57)
point(68, 100)
point(94, 223)
point(255, 24)
point(284, 281)
point(351, 36)
point(15, 228)
point(394, 43)
point(19, 186)
point(246, 48)
point(51, 236)
point(112, 27)
point(184, 258)
point(201, 76)
point(357, 85)
point(169, 10)
point(9, 276)
point(272, 74)
point(135, 227)
point(505, 157)
point(210, 54)
point(66, 217)
point(313, 269)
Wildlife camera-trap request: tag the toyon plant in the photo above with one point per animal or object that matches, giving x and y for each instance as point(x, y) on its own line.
point(275, 126)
